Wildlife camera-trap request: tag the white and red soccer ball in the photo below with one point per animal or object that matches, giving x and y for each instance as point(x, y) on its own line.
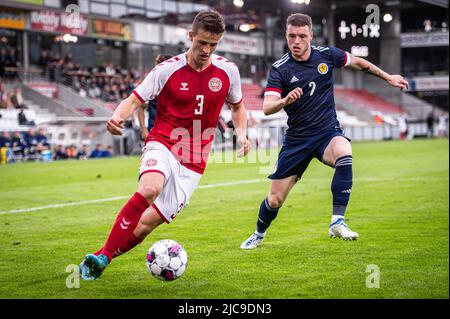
point(166, 260)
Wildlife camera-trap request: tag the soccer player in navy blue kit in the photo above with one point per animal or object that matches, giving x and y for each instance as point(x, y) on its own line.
point(301, 83)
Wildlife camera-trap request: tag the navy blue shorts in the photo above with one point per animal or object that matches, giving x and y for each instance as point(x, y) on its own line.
point(295, 155)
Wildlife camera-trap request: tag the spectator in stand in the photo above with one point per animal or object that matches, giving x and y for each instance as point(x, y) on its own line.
point(4, 58)
point(14, 60)
point(31, 143)
point(105, 96)
point(43, 62)
point(23, 120)
point(42, 140)
point(17, 99)
point(1, 93)
point(108, 82)
point(97, 152)
point(60, 153)
point(5, 147)
point(94, 88)
point(430, 125)
point(8, 101)
point(101, 83)
point(110, 69)
point(442, 125)
point(71, 151)
point(114, 93)
point(18, 146)
point(108, 152)
point(102, 68)
point(378, 118)
point(83, 152)
point(68, 58)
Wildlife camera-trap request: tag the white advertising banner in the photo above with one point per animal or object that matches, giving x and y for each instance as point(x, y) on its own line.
point(146, 32)
point(230, 43)
point(242, 44)
point(429, 83)
point(424, 39)
point(176, 35)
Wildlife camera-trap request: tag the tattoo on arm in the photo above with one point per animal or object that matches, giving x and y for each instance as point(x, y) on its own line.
point(374, 71)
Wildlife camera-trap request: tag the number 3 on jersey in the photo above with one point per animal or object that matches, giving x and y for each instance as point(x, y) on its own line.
point(200, 99)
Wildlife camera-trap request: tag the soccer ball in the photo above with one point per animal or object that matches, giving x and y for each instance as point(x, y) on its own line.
point(166, 260)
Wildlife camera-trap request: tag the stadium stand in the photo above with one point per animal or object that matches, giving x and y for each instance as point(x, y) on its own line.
point(252, 94)
point(367, 101)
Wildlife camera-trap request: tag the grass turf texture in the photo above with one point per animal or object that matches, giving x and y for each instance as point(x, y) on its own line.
point(399, 206)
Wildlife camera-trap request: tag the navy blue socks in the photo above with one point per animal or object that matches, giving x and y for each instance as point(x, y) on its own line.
point(266, 215)
point(341, 186)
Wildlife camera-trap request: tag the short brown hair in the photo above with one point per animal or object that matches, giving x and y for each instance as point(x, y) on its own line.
point(161, 58)
point(299, 20)
point(209, 21)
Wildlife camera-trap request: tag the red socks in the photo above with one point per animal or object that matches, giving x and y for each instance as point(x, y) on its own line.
point(121, 239)
point(127, 245)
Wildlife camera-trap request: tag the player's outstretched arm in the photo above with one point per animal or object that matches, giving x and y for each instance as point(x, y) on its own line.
point(122, 112)
point(361, 64)
point(239, 118)
point(273, 104)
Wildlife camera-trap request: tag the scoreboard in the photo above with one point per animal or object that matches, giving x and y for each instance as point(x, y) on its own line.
point(357, 36)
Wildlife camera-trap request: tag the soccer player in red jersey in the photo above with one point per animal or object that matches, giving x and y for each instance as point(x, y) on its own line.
point(191, 88)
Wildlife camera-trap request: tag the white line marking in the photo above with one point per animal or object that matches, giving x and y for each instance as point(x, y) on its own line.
point(32, 209)
point(250, 181)
point(110, 199)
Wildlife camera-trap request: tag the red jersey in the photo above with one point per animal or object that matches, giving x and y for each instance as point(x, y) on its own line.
point(189, 104)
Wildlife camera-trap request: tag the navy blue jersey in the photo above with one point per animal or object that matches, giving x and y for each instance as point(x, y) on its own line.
point(151, 113)
point(314, 112)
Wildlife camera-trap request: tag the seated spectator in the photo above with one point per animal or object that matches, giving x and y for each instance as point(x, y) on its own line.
point(71, 151)
point(35, 144)
point(30, 144)
point(5, 147)
point(23, 120)
point(110, 70)
point(42, 140)
point(17, 99)
point(97, 152)
point(83, 152)
point(68, 58)
point(102, 68)
point(108, 152)
point(44, 60)
point(1, 93)
point(18, 146)
point(59, 153)
point(7, 100)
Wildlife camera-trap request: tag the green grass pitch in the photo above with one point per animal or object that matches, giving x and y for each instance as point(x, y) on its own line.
point(399, 206)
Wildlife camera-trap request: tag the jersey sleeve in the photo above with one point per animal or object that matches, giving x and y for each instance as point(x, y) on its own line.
point(235, 91)
point(150, 87)
point(274, 83)
point(340, 57)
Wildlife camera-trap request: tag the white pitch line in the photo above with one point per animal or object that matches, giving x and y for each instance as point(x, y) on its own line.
point(110, 199)
point(250, 181)
point(32, 209)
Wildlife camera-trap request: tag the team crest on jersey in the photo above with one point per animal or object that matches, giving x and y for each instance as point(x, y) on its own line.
point(152, 162)
point(215, 84)
point(322, 68)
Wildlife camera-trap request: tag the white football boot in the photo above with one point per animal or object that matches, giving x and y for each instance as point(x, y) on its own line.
point(252, 242)
point(340, 229)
